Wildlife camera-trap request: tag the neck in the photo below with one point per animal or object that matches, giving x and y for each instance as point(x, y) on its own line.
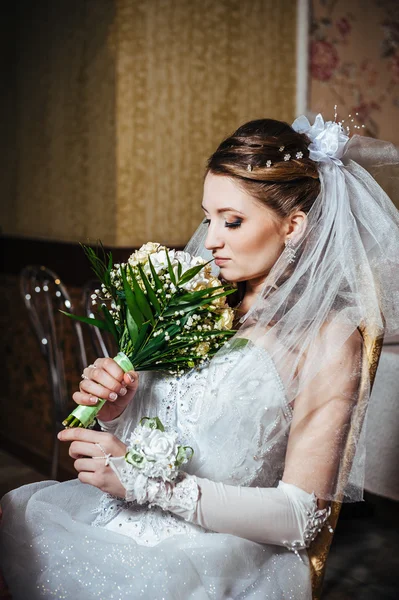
point(254, 286)
point(252, 289)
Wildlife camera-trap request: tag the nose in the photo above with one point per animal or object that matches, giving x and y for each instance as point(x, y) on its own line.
point(213, 240)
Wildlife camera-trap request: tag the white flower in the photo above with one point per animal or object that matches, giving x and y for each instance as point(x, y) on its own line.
point(156, 445)
point(202, 349)
point(159, 260)
point(141, 255)
point(226, 319)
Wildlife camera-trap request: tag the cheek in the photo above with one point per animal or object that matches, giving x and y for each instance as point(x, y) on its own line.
point(257, 251)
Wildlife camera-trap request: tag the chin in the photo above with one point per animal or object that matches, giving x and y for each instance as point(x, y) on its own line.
point(231, 277)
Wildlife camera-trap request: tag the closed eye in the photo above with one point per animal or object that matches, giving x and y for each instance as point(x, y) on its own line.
point(233, 224)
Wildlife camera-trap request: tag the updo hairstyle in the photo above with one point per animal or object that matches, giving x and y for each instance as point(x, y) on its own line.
point(270, 161)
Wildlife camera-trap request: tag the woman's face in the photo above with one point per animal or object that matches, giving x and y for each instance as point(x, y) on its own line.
point(245, 237)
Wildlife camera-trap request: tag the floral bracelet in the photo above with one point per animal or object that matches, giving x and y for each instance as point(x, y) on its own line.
point(155, 452)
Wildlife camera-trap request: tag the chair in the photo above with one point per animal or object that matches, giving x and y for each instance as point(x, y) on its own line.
point(44, 295)
point(320, 547)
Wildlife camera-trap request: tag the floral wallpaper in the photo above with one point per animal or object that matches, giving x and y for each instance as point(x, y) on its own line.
point(354, 63)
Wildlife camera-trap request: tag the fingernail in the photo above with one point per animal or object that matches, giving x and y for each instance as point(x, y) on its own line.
point(113, 396)
point(93, 400)
point(130, 377)
point(59, 435)
point(123, 391)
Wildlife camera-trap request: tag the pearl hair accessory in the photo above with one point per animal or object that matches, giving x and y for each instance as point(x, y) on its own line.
point(268, 163)
point(287, 157)
point(299, 155)
point(352, 120)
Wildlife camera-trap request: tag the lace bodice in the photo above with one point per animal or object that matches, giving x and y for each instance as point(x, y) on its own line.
point(238, 428)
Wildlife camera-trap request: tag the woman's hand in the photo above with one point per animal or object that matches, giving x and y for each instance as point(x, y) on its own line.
point(105, 379)
point(90, 449)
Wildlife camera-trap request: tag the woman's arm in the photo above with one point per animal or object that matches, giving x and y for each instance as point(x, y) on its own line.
point(287, 515)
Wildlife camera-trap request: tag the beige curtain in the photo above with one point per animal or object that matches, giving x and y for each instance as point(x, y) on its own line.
point(119, 103)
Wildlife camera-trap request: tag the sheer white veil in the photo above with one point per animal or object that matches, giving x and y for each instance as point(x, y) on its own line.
point(344, 280)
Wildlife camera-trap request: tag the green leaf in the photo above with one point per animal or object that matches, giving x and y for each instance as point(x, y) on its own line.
point(132, 327)
point(141, 299)
point(157, 281)
point(170, 268)
point(152, 347)
point(131, 299)
point(187, 307)
point(151, 294)
point(190, 273)
point(179, 269)
point(239, 342)
point(154, 423)
point(190, 296)
point(141, 337)
point(88, 320)
point(110, 322)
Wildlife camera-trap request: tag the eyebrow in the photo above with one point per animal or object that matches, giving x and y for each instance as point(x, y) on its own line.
point(227, 208)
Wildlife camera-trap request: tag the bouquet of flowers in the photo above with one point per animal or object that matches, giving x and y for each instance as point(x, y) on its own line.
point(165, 309)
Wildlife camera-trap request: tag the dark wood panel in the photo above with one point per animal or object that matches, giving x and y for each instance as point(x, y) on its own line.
point(65, 259)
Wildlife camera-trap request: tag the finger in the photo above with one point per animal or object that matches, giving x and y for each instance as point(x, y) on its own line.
point(97, 390)
point(102, 377)
point(83, 449)
point(87, 477)
point(86, 435)
point(131, 379)
point(85, 399)
point(111, 367)
point(85, 464)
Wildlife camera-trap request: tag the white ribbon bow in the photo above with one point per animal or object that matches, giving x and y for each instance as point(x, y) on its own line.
point(328, 140)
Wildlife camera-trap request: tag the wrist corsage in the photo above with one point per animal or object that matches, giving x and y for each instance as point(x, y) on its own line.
point(156, 452)
point(150, 470)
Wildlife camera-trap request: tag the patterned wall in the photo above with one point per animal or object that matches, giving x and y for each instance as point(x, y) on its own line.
point(112, 109)
point(119, 102)
point(354, 63)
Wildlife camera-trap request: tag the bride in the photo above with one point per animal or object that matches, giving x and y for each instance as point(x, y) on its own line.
point(311, 242)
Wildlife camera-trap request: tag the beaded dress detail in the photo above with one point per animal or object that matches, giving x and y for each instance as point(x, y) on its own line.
point(178, 402)
point(89, 545)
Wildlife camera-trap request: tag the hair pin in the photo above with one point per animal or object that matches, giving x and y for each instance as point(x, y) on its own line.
point(268, 163)
point(299, 155)
point(249, 168)
point(287, 157)
point(281, 149)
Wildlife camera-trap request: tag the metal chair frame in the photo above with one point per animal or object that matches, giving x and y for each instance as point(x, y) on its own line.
point(43, 295)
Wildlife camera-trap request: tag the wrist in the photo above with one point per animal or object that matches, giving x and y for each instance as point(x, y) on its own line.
point(150, 470)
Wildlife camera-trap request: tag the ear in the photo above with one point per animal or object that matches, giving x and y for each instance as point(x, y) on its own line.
point(296, 225)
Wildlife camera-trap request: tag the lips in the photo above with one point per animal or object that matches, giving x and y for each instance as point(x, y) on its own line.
point(219, 260)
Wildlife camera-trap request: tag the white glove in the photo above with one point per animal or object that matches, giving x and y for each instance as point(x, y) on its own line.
point(286, 516)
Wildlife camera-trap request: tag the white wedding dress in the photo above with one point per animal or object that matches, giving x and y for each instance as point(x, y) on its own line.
point(69, 540)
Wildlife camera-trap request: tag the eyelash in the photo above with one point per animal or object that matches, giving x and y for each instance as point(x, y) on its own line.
point(232, 225)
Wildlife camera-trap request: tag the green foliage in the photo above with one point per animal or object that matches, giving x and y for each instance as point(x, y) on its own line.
point(153, 328)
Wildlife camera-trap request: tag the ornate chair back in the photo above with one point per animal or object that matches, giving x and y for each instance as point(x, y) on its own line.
point(320, 547)
point(44, 295)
